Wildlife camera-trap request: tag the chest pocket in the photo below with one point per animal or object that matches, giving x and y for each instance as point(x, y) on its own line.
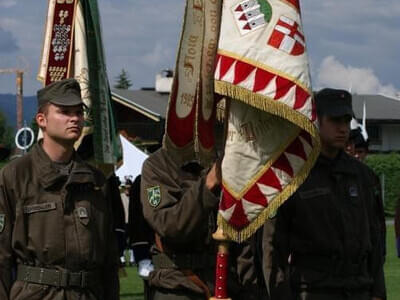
point(43, 227)
point(89, 214)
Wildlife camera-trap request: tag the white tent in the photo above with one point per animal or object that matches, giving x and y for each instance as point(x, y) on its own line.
point(133, 160)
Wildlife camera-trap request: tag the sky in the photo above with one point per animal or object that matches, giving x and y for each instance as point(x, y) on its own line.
point(352, 44)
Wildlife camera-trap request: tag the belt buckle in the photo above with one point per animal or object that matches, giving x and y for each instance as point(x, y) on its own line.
point(41, 274)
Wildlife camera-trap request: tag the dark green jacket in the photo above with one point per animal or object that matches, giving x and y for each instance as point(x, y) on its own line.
point(182, 212)
point(327, 235)
point(43, 227)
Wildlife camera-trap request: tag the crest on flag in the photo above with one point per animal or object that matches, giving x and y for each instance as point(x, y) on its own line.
point(70, 51)
point(251, 15)
point(288, 36)
point(272, 141)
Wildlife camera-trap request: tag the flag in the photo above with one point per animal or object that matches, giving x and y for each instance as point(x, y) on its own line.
point(191, 108)
point(272, 140)
point(73, 47)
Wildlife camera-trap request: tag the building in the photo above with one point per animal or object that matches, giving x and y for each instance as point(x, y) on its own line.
point(141, 115)
point(382, 119)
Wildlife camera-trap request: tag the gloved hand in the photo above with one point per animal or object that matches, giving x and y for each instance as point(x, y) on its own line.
point(144, 268)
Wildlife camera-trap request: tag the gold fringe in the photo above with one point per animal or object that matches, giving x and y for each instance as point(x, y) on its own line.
point(266, 104)
point(243, 234)
point(282, 110)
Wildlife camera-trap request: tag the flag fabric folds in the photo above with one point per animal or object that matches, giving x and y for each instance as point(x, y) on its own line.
point(73, 48)
point(191, 109)
point(272, 141)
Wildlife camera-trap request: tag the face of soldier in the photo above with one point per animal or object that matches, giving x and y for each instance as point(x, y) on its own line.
point(61, 123)
point(361, 153)
point(334, 131)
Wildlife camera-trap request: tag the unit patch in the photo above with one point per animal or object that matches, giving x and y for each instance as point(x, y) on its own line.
point(82, 213)
point(2, 222)
point(154, 196)
point(353, 191)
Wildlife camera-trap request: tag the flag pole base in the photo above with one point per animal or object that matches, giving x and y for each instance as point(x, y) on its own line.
point(221, 266)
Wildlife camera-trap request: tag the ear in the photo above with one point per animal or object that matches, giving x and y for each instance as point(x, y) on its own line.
point(41, 120)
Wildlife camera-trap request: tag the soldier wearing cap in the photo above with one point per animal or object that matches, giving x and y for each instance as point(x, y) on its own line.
point(56, 234)
point(323, 243)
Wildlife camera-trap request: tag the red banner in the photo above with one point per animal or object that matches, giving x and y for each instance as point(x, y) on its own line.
point(60, 50)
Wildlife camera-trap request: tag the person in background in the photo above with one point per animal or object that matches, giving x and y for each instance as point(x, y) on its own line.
point(358, 147)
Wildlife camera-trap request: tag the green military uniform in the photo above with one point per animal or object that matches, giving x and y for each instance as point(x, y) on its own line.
point(326, 236)
point(56, 218)
point(181, 210)
point(56, 232)
point(325, 243)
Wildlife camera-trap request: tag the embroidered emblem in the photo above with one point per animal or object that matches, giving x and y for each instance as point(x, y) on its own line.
point(353, 191)
point(154, 196)
point(251, 15)
point(82, 212)
point(2, 222)
point(288, 37)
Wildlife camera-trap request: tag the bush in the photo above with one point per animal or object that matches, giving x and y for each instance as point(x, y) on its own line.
point(389, 165)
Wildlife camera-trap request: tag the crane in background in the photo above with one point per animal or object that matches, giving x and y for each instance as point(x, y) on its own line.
point(19, 82)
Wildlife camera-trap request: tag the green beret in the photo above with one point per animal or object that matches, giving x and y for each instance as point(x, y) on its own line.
point(334, 103)
point(65, 92)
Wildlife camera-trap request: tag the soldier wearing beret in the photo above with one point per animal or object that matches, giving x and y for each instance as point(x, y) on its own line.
point(56, 234)
point(324, 243)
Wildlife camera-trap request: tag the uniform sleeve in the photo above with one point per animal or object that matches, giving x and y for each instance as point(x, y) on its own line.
point(118, 213)
point(174, 211)
point(276, 249)
point(377, 226)
point(6, 257)
point(110, 271)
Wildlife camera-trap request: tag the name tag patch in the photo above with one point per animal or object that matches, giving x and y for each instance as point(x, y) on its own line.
point(30, 209)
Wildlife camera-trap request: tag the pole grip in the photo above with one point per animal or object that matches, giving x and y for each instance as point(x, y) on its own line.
point(221, 268)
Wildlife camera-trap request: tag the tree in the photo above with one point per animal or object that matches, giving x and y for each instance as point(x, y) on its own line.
point(123, 81)
point(6, 132)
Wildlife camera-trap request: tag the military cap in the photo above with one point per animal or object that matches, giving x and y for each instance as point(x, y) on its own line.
point(333, 103)
point(65, 92)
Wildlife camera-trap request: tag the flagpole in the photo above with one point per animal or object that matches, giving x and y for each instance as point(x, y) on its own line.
point(222, 256)
point(221, 268)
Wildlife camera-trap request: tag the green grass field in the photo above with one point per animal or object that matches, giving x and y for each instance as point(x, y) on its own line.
point(132, 285)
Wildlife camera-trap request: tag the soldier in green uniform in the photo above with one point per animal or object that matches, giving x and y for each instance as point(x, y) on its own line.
point(56, 236)
point(324, 243)
point(180, 204)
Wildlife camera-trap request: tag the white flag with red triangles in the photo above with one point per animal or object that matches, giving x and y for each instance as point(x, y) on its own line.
point(272, 141)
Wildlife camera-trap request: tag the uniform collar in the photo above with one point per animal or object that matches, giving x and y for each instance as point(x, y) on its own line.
point(50, 175)
point(342, 163)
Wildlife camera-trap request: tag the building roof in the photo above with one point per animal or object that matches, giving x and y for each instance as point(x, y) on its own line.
point(378, 107)
point(154, 104)
point(146, 101)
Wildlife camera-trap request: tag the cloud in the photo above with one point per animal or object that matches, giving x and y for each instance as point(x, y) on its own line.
point(332, 73)
point(8, 43)
point(7, 3)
